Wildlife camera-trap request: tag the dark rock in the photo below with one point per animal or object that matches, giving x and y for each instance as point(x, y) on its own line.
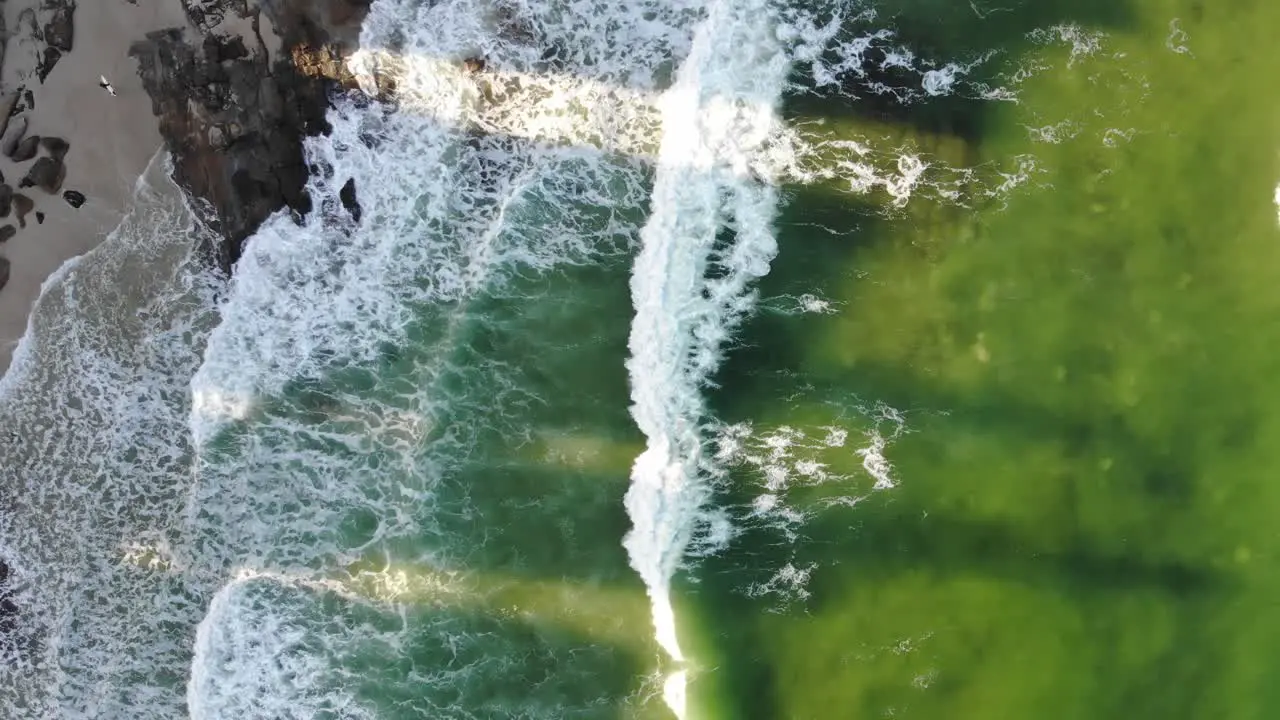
point(4, 272)
point(6, 200)
point(473, 65)
point(59, 29)
point(26, 149)
point(232, 120)
point(21, 206)
point(7, 107)
point(39, 218)
point(56, 146)
point(50, 58)
point(28, 101)
point(13, 136)
point(74, 198)
point(348, 196)
point(6, 232)
point(46, 173)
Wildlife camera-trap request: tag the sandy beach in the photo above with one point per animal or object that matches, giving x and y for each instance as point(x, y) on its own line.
point(111, 140)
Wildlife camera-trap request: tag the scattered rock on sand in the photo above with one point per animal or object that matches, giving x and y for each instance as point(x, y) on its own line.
point(4, 272)
point(6, 232)
point(39, 218)
point(21, 206)
point(74, 198)
point(6, 200)
point(12, 136)
point(56, 146)
point(26, 149)
point(6, 109)
point(47, 174)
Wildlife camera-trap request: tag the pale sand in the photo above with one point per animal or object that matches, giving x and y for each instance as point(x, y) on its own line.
point(112, 140)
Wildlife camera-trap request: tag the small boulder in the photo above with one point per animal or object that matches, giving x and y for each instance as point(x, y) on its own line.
point(473, 65)
point(47, 174)
point(13, 136)
point(74, 198)
point(348, 196)
point(6, 232)
point(39, 218)
point(6, 200)
point(4, 272)
point(7, 105)
point(21, 206)
point(56, 146)
point(26, 149)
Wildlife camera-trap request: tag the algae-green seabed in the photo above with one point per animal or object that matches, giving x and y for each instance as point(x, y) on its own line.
point(1084, 518)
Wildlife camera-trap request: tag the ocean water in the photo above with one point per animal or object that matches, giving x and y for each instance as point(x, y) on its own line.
point(698, 358)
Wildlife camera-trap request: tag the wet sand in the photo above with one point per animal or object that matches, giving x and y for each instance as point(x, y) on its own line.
point(112, 139)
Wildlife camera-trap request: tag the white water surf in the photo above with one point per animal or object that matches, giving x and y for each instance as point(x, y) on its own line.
point(167, 488)
point(689, 294)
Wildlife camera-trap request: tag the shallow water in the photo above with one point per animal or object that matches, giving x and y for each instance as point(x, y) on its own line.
point(1080, 433)
point(730, 359)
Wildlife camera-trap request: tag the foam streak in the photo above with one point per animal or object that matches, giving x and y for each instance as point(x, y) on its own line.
point(718, 114)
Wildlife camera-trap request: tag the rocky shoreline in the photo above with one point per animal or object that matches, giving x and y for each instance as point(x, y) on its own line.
point(237, 96)
point(45, 32)
point(235, 87)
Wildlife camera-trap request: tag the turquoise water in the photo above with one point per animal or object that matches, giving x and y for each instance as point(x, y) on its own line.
point(732, 359)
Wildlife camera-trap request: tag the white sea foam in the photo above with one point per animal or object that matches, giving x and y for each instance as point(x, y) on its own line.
point(93, 465)
point(1276, 199)
point(436, 200)
point(256, 657)
point(468, 183)
point(721, 110)
point(796, 474)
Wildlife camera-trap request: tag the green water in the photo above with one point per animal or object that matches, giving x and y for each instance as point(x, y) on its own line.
point(1084, 525)
point(1081, 526)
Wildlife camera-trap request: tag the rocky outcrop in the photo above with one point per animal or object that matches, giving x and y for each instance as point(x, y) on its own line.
point(233, 117)
point(44, 32)
point(57, 26)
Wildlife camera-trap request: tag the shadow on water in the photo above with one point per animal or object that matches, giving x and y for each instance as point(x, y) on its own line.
point(528, 441)
point(899, 537)
point(438, 658)
point(540, 492)
point(821, 229)
point(941, 32)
